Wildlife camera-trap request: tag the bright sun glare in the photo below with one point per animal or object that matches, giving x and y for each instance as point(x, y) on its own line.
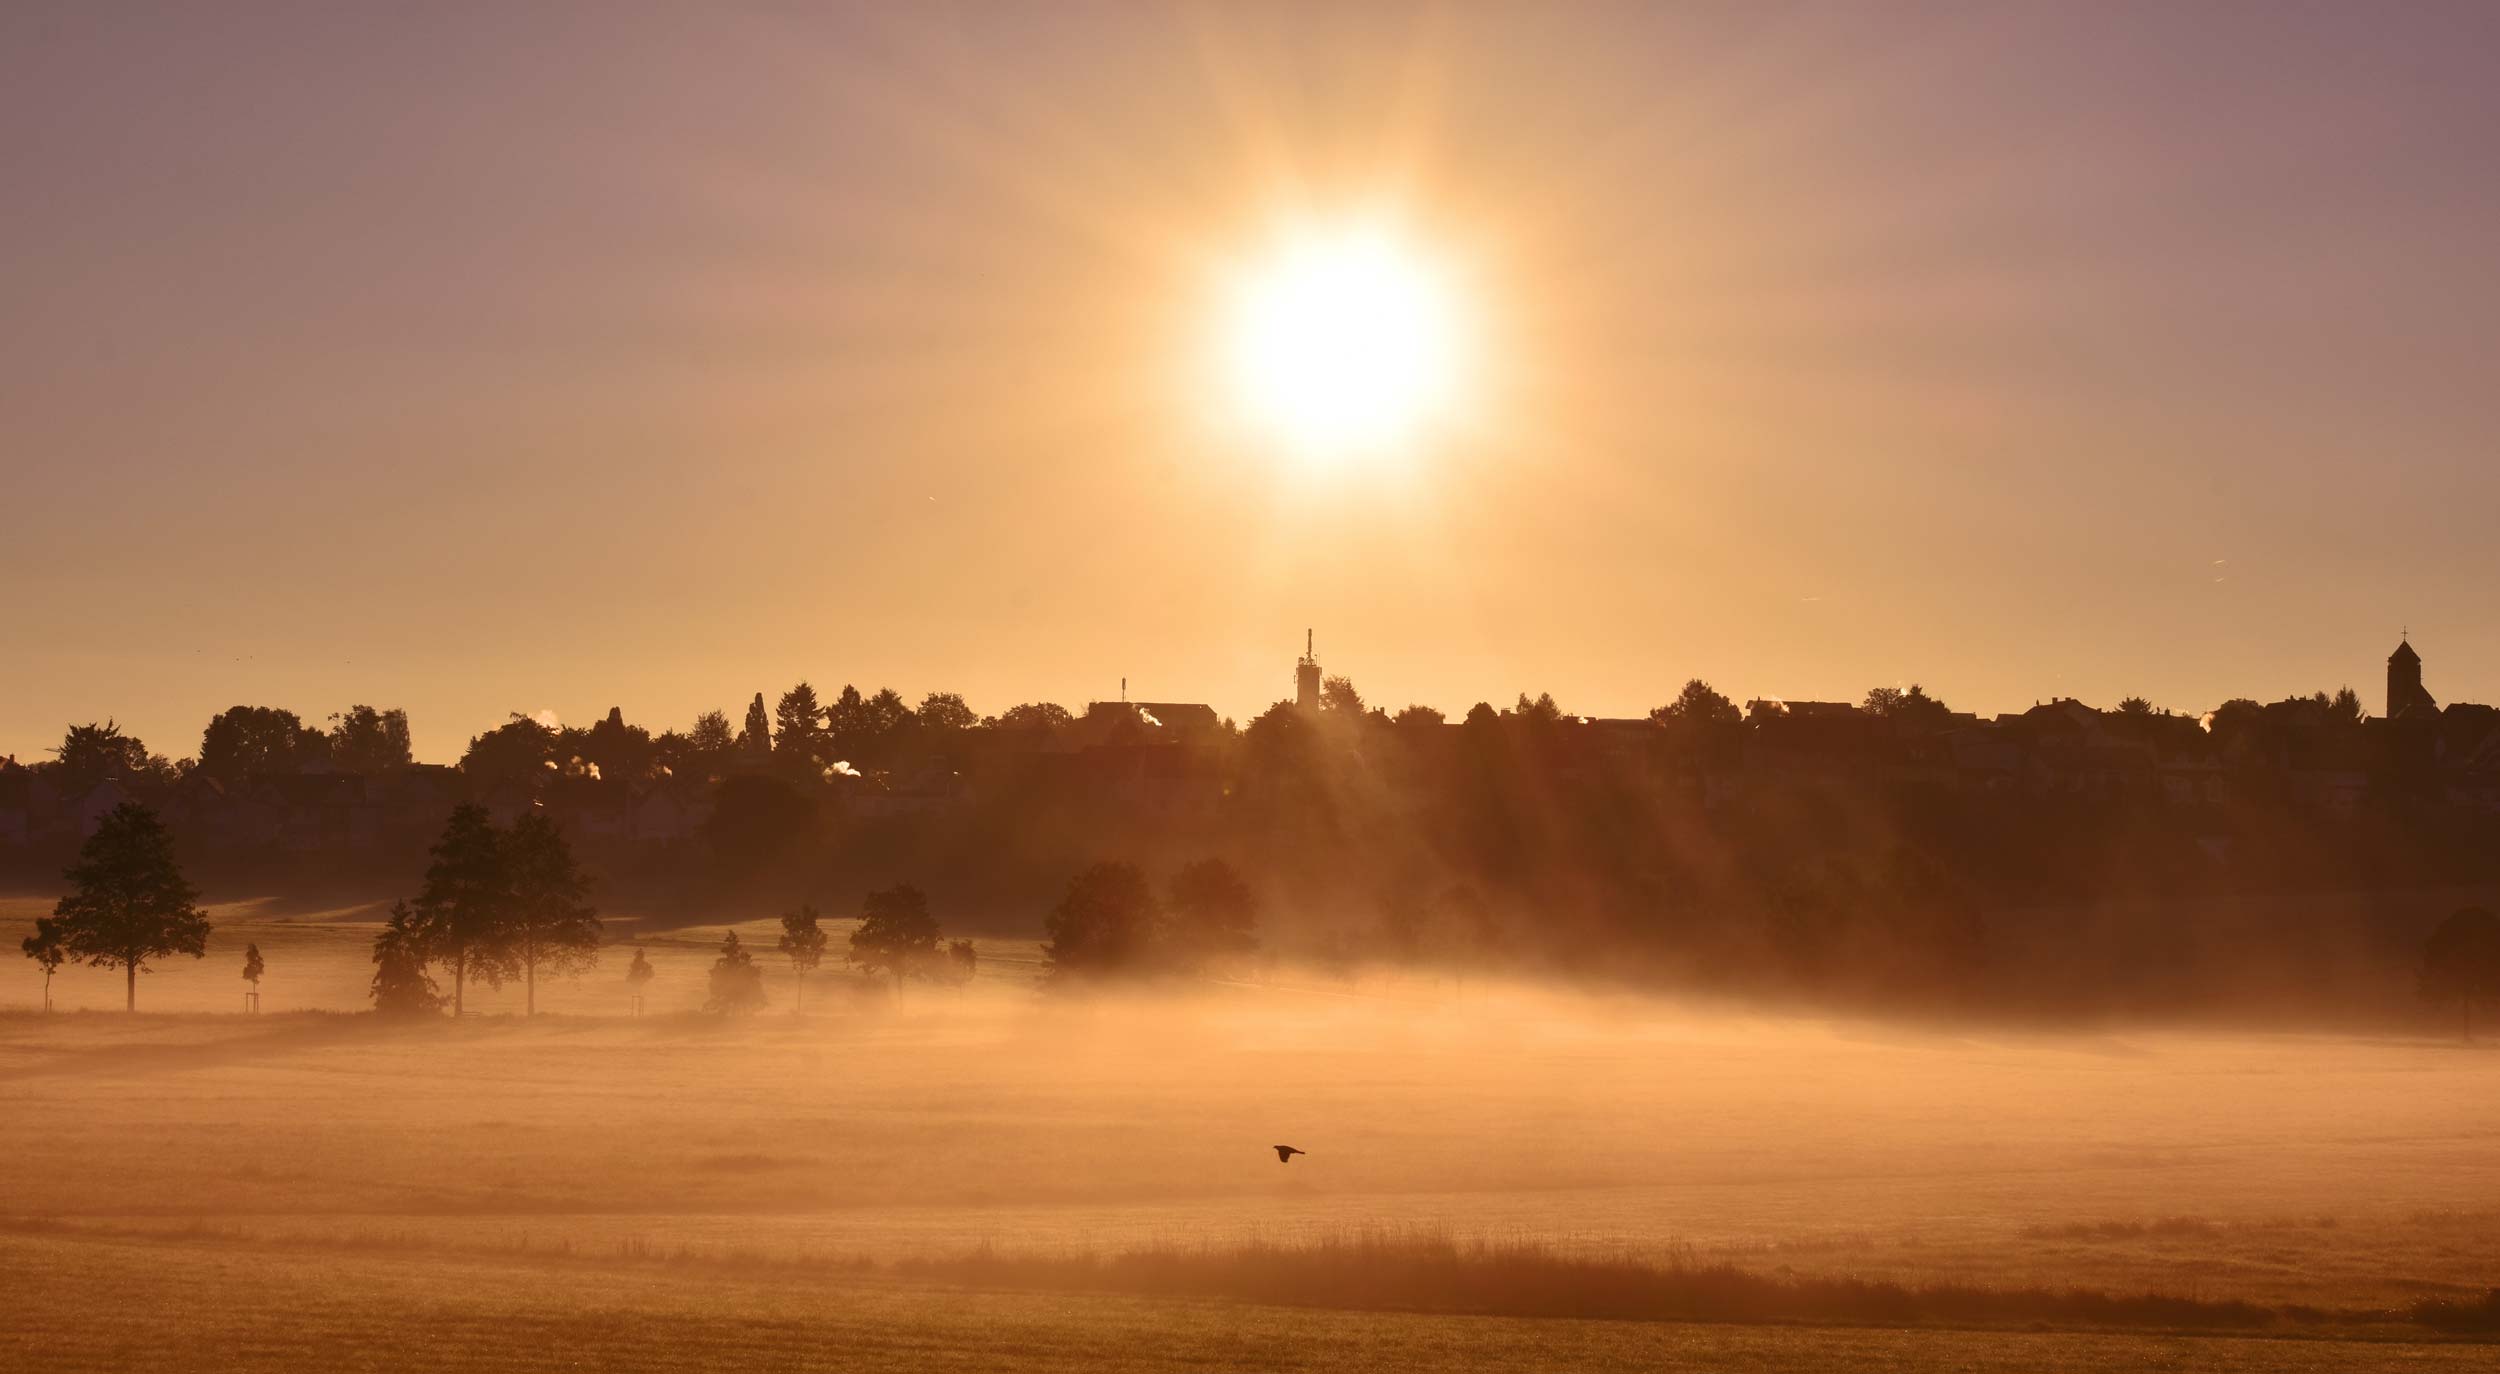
point(1343, 341)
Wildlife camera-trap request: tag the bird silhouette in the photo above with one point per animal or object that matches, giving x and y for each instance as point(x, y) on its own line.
point(1285, 1153)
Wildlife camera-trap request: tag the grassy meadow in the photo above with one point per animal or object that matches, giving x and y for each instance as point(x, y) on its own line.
point(309, 1188)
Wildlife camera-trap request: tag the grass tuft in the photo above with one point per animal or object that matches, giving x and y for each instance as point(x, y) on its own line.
point(1424, 1272)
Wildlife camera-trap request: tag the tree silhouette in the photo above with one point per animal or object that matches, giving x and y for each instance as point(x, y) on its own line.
point(2461, 963)
point(1034, 715)
point(962, 960)
point(1542, 710)
point(47, 948)
point(252, 970)
point(364, 740)
point(1209, 915)
point(616, 751)
point(462, 915)
point(2345, 707)
point(401, 985)
point(896, 933)
point(1103, 925)
point(945, 711)
point(1419, 717)
point(1338, 694)
point(129, 902)
point(638, 975)
point(91, 753)
point(881, 721)
point(800, 742)
point(755, 739)
point(1910, 707)
point(709, 745)
point(242, 741)
point(737, 984)
point(1698, 704)
point(550, 922)
point(803, 941)
point(519, 750)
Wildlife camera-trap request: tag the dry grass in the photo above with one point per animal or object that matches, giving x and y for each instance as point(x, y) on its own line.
point(194, 1305)
point(2277, 1171)
point(1421, 1272)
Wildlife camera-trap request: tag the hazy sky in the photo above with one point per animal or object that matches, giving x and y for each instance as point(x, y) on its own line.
point(478, 358)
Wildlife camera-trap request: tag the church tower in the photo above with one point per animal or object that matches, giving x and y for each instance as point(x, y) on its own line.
point(1306, 677)
point(2404, 682)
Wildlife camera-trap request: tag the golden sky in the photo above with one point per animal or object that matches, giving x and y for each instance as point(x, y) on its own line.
point(502, 359)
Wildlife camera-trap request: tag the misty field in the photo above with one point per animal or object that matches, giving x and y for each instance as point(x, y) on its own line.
point(314, 1189)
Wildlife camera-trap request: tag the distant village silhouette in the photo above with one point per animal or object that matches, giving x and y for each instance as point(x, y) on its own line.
point(272, 783)
point(1888, 848)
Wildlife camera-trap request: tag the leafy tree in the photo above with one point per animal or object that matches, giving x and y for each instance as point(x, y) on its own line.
point(1209, 915)
point(885, 715)
point(961, 961)
point(401, 985)
point(129, 902)
point(1103, 925)
point(463, 914)
point(1034, 715)
point(364, 740)
point(846, 721)
point(253, 968)
point(91, 753)
point(1542, 711)
point(2461, 963)
point(896, 933)
point(710, 743)
point(1338, 694)
point(737, 984)
point(49, 949)
point(1419, 717)
point(2236, 719)
point(2344, 708)
point(617, 751)
point(803, 942)
point(550, 923)
point(1698, 704)
point(2135, 706)
point(520, 749)
point(638, 975)
point(946, 711)
point(1910, 707)
point(241, 741)
point(1482, 715)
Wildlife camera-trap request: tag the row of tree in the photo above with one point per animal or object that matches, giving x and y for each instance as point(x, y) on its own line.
point(1111, 923)
point(497, 904)
point(896, 937)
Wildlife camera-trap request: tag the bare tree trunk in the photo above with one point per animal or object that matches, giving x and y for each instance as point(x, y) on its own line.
point(130, 981)
point(529, 980)
point(459, 975)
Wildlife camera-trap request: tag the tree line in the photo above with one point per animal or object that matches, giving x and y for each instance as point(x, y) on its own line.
point(500, 903)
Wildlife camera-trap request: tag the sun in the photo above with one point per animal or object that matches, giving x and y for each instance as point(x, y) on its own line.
point(1343, 341)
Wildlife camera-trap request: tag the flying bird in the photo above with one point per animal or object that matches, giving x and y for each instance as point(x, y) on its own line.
point(1285, 1153)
